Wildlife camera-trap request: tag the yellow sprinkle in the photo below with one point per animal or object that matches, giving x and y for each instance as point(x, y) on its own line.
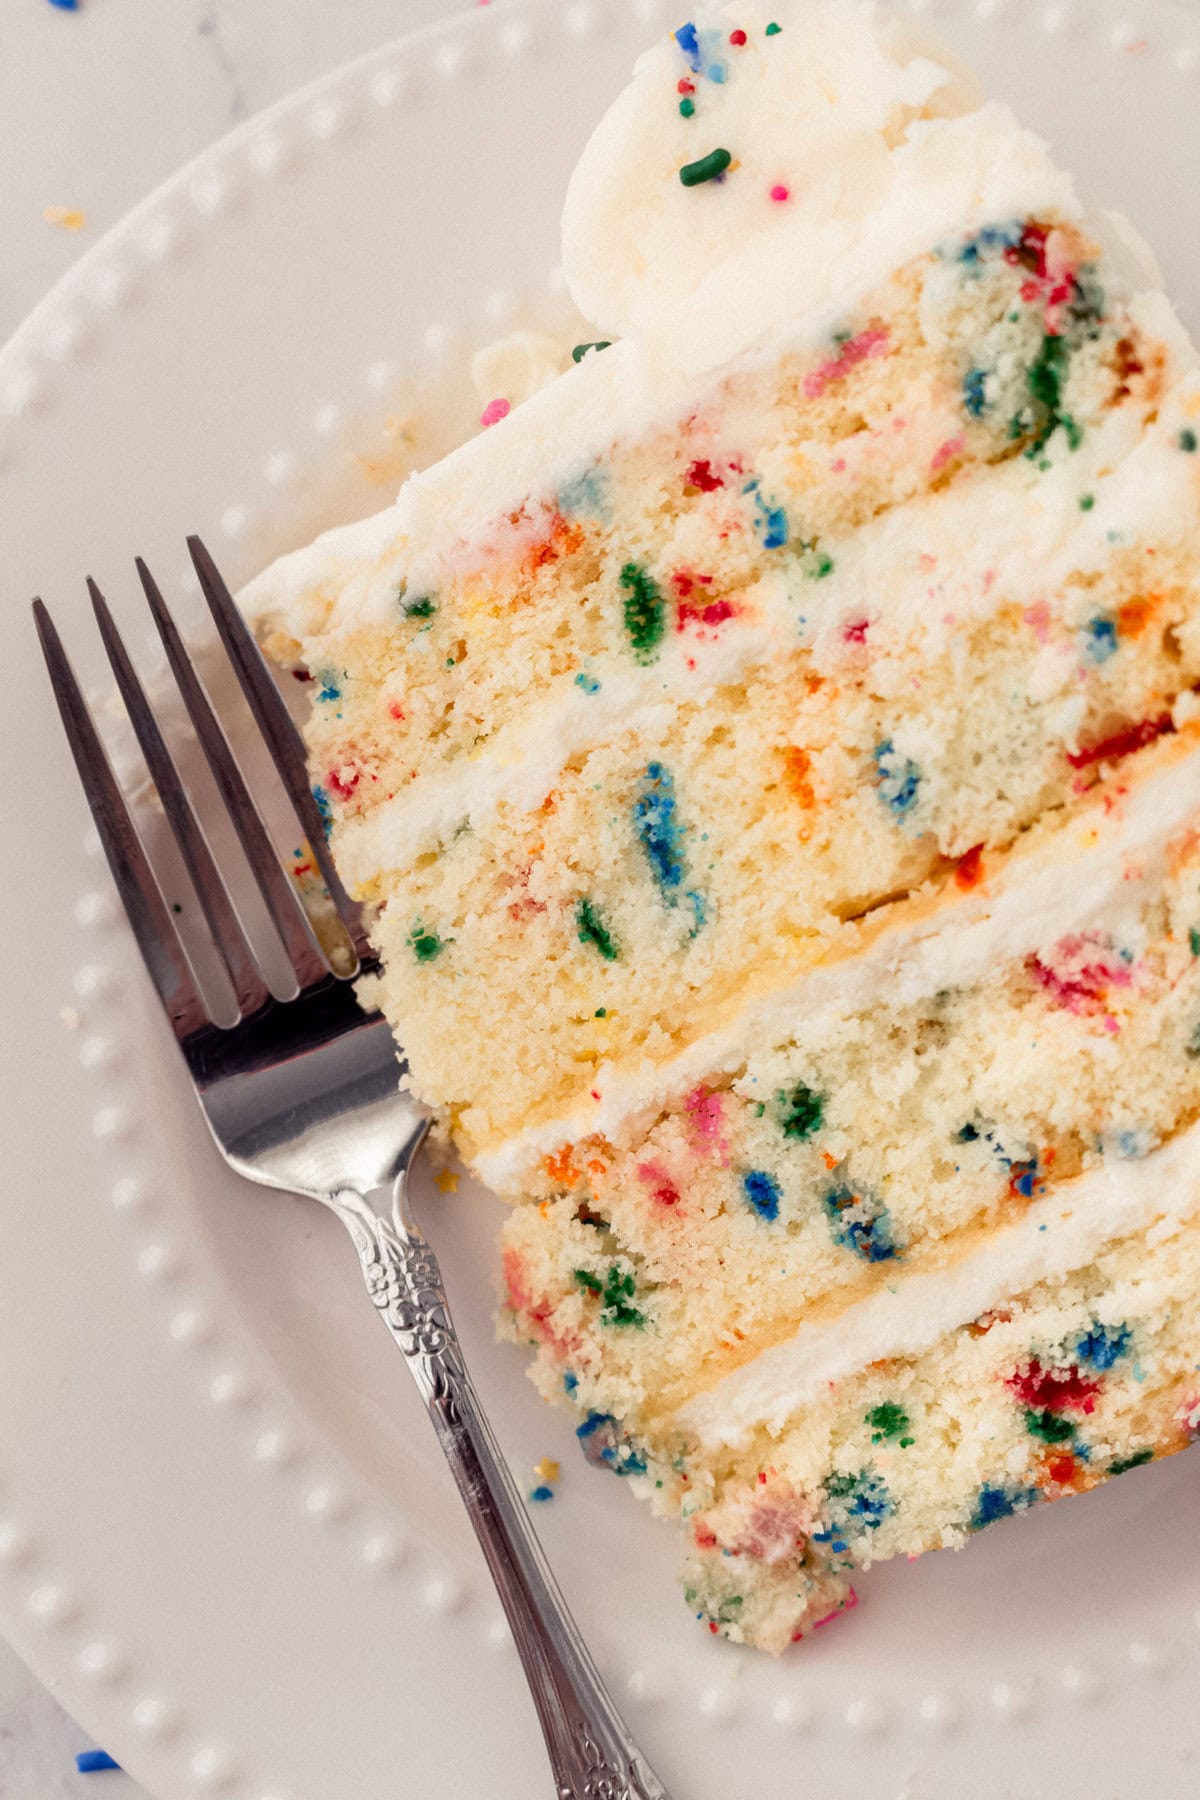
point(547, 1470)
point(70, 218)
point(447, 1181)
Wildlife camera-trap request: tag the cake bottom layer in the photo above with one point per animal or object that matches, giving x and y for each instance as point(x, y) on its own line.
point(1066, 1382)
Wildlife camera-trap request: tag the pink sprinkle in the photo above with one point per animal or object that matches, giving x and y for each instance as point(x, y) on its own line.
point(779, 193)
point(838, 465)
point(839, 1612)
point(494, 411)
point(857, 633)
point(947, 452)
point(708, 1117)
point(1111, 1025)
point(1038, 619)
point(659, 1181)
point(872, 342)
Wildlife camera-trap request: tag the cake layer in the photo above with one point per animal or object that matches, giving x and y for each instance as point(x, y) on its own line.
point(1064, 1384)
point(873, 1122)
point(857, 613)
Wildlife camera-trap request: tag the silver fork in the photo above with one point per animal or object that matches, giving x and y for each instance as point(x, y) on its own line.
point(301, 1093)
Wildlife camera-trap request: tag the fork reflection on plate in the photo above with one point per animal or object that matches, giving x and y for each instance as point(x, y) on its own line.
point(301, 1093)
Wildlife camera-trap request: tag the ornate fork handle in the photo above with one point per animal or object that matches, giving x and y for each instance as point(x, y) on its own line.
point(591, 1752)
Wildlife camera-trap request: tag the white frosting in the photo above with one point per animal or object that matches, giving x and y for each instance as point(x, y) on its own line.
point(871, 192)
point(1039, 895)
point(1057, 1235)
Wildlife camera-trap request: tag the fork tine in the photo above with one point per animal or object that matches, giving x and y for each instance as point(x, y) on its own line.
point(248, 985)
point(282, 901)
point(157, 939)
point(282, 739)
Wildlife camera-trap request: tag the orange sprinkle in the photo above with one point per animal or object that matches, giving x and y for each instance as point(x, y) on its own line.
point(67, 218)
point(829, 1161)
point(561, 1168)
point(1136, 614)
point(797, 766)
point(969, 872)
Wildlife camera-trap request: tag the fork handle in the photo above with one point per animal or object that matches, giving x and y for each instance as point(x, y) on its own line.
point(592, 1755)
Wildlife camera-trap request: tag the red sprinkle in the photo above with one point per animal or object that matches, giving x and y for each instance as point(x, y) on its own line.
point(738, 38)
point(1122, 743)
point(969, 872)
point(715, 613)
point(685, 86)
point(1054, 1390)
point(857, 633)
point(701, 475)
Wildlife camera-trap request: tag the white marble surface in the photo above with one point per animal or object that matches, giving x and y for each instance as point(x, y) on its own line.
point(96, 107)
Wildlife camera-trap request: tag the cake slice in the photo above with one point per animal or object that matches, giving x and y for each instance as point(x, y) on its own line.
point(770, 756)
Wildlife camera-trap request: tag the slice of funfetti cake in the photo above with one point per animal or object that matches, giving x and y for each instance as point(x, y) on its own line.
point(770, 753)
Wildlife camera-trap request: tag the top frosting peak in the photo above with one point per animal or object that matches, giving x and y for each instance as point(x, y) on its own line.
point(751, 144)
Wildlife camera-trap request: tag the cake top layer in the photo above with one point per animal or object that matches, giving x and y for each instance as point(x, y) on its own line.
point(797, 111)
point(882, 150)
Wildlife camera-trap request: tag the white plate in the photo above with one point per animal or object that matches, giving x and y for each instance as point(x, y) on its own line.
point(225, 1537)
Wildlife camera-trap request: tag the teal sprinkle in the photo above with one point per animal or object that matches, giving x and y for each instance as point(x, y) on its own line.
point(897, 778)
point(329, 689)
point(588, 683)
point(1099, 639)
point(324, 807)
point(975, 392)
point(687, 107)
point(773, 30)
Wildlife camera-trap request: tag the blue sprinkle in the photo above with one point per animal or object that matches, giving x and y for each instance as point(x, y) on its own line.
point(861, 1222)
point(324, 807)
point(688, 42)
point(88, 1762)
point(570, 1382)
point(699, 906)
point(68, 6)
point(1102, 1345)
point(329, 687)
point(658, 828)
point(770, 522)
point(975, 392)
point(592, 1423)
point(762, 1191)
point(585, 495)
point(994, 1502)
point(542, 1492)
point(588, 683)
point(1099, 639)
point(897, 780)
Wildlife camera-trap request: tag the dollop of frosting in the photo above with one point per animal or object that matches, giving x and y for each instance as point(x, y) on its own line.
point(798, 113)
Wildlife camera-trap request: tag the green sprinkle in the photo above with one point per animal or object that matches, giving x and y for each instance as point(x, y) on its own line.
point(705, 168)
point(773, 30)
point(1086, 502)
point(759, 1108)
point(645, 613)
point(617, 1291)
point(801, 1111)
point(887, 1421)
point(907, 1443)
point(687, 107)
point(422, 608)
point(1194, 940)
point(581, 350)
point(601, 1012)
point(592, 930)
point(1049, 1427)
point(425, 945)
point(1131, 1462)
point(175, 906)
point(1188, 440)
